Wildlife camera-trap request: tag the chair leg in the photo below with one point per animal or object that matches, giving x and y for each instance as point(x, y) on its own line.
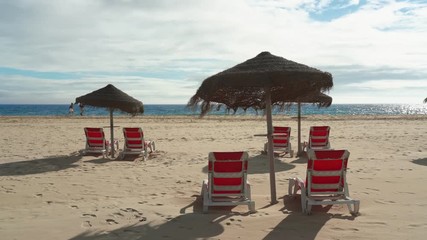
point(308, 208)
point(356, 205)
point(117, 144)
point(107, 149)
point(350, 208)
point(251, 204)
point(291, 186)
point(144, 155)
point(153, 146)
point(251, 207)
point(205, 196)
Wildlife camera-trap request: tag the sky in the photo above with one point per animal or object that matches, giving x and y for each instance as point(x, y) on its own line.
point(159, 51)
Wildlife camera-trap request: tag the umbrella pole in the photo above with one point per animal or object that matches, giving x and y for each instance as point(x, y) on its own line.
point(299, 130)
point(270, 145)
point(112, 133)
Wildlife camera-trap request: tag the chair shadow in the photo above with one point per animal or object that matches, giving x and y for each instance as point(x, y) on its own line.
point(99, 160)
point(297, 225)
point(420, 161)
point(129, 158)
point(37, 166)
point(137, 157)
point(187, 226)
point(197, 206)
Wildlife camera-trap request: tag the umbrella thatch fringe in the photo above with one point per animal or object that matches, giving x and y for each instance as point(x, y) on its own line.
point(255, 100)
point(133, 113)
point(113, 99)
point(244, 85)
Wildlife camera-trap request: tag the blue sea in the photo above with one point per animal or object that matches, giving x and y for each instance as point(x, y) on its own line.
point(176, 109)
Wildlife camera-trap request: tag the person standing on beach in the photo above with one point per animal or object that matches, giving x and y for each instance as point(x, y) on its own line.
point(81, 108)
point(71, 109)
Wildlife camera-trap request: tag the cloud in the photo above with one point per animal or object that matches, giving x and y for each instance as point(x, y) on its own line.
point(18, 89)
point(362, 84)
point(171, 44)
point(389, 84)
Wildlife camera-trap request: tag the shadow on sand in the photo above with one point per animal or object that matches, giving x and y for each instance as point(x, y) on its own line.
point(420, 161)
point(36, 166)
point(194, 225)
point(297, 225)
point(188, 226)
point(260, 164)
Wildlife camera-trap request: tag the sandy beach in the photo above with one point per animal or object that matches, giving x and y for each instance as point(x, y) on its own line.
point(50, 191)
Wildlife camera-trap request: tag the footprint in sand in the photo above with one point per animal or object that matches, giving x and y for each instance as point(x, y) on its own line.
point(86, 224)
point(8, 190)
point(135, 212)
point(118, 214)
point(235, 224)
point(88, 215)
point(111, 221)
point(384, 201)
point(417, 225)
point(130, 210)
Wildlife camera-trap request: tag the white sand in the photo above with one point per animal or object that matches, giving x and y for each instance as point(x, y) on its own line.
point(49, 191)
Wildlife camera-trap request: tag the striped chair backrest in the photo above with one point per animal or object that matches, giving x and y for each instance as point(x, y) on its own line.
point(227, 172)
point(281, 140)
point(134, 138)
point(95, 137)
point(326, 170)
point(319, 136)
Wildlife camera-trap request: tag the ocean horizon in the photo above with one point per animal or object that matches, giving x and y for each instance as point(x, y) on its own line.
point(181, 109)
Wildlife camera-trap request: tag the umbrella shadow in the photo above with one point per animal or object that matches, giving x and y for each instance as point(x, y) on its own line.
point(301, 160)
point(37, 166)
point(188, 226)
point(420, 161)
point(126, 158)
point(297, 225)
point(261, 164)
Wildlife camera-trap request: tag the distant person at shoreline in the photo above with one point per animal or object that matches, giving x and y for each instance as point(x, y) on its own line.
point(82, 108)
point(71, 109)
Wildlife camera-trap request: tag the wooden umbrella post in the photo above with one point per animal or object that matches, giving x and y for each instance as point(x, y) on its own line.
point(270, 144)
point(112, 133)
point(299, 130)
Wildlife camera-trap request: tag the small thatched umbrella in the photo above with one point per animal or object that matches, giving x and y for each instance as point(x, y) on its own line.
point(321, 99)
point(425, 100)
point(114, 99)
point(258, 83)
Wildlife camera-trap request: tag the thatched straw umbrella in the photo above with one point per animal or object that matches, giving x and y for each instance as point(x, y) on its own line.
point(114, 99)
point(321, 99)
point(258, 83)
point(425, 100)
